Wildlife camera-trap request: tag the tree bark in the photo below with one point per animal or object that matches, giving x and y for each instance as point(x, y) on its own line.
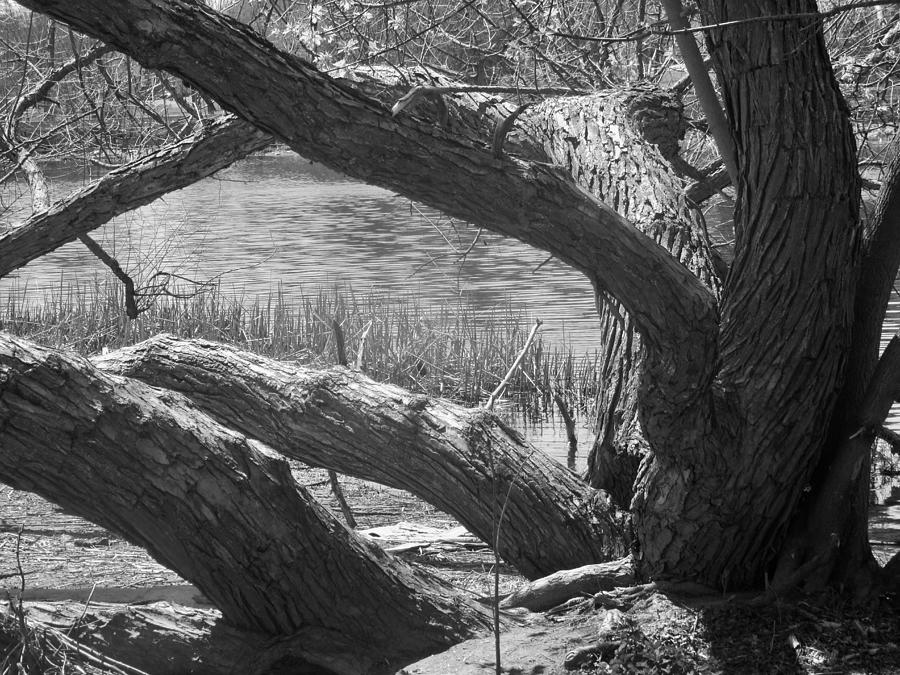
point(620, 146)
point(332, 122)
point(452, 457)
point(219, 509)
point(734, 397)
point(727, 497)
point(836, 510)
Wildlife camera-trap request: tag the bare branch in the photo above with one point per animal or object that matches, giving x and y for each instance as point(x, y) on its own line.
point(40, 92)
point(131, 308)
point(645, 31)
point(706, 93)
point(128, 187)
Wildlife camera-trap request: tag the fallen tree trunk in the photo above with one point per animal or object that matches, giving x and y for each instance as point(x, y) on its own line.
point(219, 509)
point(455, 458)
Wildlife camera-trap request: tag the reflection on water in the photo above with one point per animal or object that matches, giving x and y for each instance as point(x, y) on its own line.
point(280, 220)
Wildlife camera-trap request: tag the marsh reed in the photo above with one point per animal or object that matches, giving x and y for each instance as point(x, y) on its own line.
point(453, 350)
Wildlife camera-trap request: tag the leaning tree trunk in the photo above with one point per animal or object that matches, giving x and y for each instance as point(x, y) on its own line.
point(455, 458)
point(718, 501)
point(216, 146)
point(734, 396)
point(219, 509)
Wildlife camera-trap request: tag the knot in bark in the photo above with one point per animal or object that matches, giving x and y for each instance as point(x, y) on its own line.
point(658, 117)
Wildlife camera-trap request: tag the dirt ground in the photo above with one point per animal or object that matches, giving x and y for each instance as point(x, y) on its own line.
point(51, 555)
point(42, 547)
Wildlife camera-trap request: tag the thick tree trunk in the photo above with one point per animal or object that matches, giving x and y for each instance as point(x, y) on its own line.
point(832, 526)
point(735, 397)
point(620, 146)
point(454, 458)
point(719, 500)
point(217, 508)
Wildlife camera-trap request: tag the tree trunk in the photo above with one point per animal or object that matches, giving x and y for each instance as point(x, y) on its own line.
point(719, 500)
point(452, 457)
point(622, 147)
point(832, 526)
point(735, 396)
point(217, 508)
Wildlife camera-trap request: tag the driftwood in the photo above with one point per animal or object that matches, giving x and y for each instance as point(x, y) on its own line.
point(557, 588)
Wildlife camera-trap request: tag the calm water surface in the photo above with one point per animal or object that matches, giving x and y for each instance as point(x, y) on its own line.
point(277, 219)
point(280, 220)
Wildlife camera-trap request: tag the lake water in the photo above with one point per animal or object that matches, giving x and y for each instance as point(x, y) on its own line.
point(277, 219)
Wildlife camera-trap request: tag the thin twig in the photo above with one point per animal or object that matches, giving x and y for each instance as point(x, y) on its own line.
point(332, 475)
point(643, 32)
point(570, 425)
point(87, 604)
point(504, 383)
point(339, 495)
point(130, 304)
point(20, 611)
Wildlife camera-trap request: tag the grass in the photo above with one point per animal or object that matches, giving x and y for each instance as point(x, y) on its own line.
point(455, 351)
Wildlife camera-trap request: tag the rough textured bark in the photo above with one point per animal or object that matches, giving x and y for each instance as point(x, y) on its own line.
point(219, 509)
point(454, 458)
point(734, 399)
point(332, 122)
point(836, 510)
point(133, 185)
point(725, 492)
point(620, 146)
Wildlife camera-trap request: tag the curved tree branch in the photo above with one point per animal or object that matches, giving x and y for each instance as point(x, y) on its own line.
point(330, 121)
point(135, 184)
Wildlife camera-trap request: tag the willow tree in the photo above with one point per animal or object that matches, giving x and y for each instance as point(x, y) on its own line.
point(741, 403)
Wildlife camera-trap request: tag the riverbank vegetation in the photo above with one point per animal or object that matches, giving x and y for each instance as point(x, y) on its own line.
point(456, 351)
